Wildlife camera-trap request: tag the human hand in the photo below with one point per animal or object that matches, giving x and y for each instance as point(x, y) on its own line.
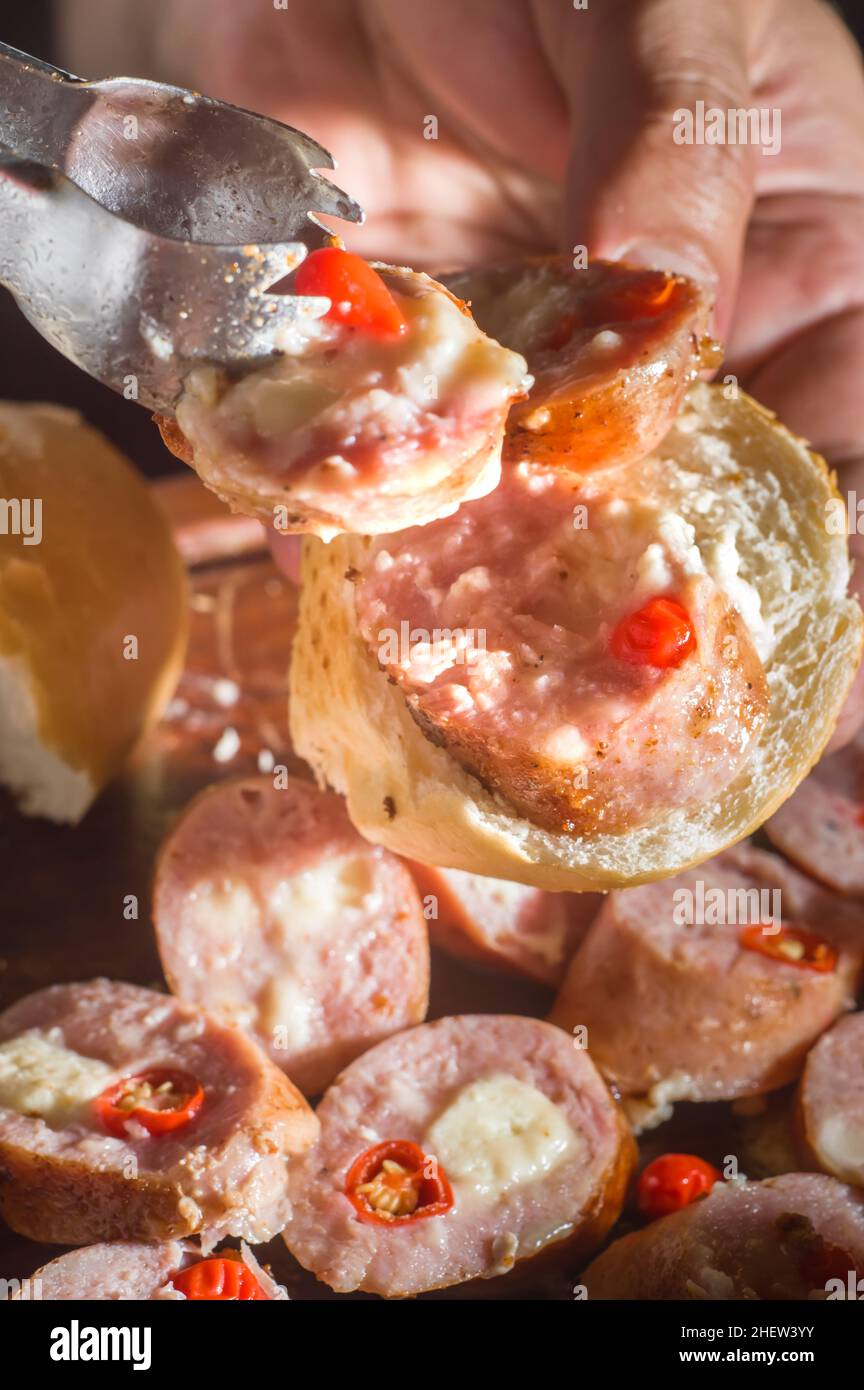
point(554, 126)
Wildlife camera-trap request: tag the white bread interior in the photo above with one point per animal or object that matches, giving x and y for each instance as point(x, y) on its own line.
point(725, 461)
point(104, 571)
point(36, 775)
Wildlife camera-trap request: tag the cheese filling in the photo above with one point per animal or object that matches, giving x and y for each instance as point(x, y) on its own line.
point(337, 405)
point(498, 1134)
point(40, 1077)
point(293, 930)
point(841, 1141)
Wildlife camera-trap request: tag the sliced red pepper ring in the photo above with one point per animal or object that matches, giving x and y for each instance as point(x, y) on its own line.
point(358, 296)
point(160, 1099)
point(224, 1278)
point(395, 1183)
point(792, 945)
point(658, 634)
point(673, 1181)
point(642, 298)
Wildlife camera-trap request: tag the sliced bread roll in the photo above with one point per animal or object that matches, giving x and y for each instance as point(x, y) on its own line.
point(93, 610)
point(759, 504)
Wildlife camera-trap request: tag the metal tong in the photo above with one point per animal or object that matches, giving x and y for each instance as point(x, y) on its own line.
point(141, 225)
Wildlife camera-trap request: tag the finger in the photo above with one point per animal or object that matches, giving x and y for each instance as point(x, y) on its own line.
point(635, 187)
point(814, 383)
point(286, 552)
point(851, 717)
point(850, 481)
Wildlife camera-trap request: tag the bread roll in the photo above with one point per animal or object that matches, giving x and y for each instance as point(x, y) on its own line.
point(726, 467)
point(93, 610)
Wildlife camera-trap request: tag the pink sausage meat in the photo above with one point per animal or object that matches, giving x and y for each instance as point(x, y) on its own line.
point(831, 1101)
point(125, 1271)
point(505, 926)
point(784, 1238)
point(821, 826)
point(274, 913)
point(67, 1179)
point(535, 1149)
point(496, 624)
point(677, 1009)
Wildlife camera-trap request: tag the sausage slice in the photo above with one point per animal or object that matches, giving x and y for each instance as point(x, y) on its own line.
point(503, 925)
point(821, 826)
point(503, 1142)
point(682, 1010)
point(831, 1101)
point(273, 912)
point(349, 429)
point(505, 627)
point(129, 1115)
point(126, 1270)
point(611, 347)
point(790, 1237)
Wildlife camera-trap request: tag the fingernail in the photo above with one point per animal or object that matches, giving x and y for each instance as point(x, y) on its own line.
point(680, 260)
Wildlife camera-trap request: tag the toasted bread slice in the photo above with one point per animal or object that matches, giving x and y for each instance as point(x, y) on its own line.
point(726, 463)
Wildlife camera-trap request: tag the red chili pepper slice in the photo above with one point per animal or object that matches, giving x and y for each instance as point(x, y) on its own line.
point(673, 1181)
point(642, 298)
point(220, 1279)
point(159, 1099)
point(395, 1183)
point(792, 945)
point(358, 296)
point(658, 634)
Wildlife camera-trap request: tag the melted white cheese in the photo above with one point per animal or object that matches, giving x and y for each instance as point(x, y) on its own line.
point(841, 1141)
point(723, 561)
point(397, 385)
point(40, 1077)
point(299, 909)
point(498, 1134)
point(676, 546)
point(220, 915)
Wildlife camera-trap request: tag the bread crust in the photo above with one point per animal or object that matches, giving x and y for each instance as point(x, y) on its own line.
point(356, 731)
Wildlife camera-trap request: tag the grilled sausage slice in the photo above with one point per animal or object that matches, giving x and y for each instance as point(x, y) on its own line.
point(86, 1071)
point(682, 1009)
point(612, 348)
point(351, 430)
point(273, 912)
point(502, 925)
point(503, 1143)
point(125, 1270)
point(831, 1101)
point(790, 1237)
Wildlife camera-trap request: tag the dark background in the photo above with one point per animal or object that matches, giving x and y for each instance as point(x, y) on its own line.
point(32, 370)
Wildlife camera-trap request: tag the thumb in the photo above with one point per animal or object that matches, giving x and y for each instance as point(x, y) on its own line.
point(635, 188)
